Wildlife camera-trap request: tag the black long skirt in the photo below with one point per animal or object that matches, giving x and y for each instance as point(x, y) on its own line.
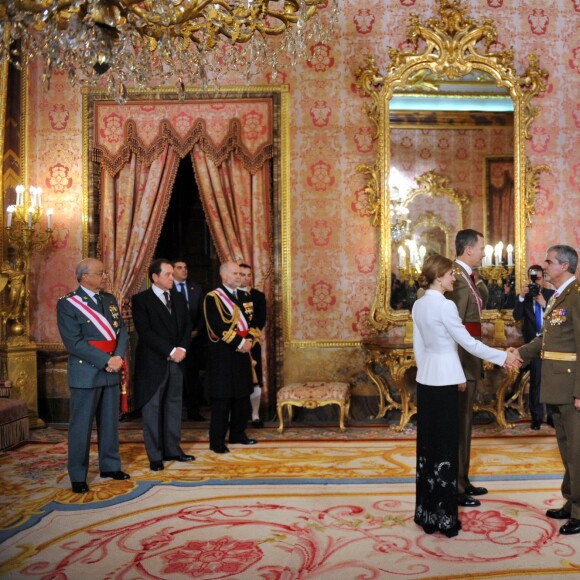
point(437, 459)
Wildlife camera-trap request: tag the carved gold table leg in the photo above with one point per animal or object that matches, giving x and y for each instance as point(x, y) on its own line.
point(498, 407)
point(382, 388)
point(398, 364)
point(280, 409)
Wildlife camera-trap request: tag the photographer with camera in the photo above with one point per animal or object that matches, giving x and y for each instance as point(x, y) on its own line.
point(529, 307)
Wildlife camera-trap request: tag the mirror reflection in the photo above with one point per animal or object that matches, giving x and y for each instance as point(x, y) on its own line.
point(451, 167)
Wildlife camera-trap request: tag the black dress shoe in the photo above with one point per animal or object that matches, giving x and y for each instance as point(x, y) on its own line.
point(222, 449)
point(472, 490)
point(79, 486)
point(558, 514)
point(196, 417)
point(183, 458)
point(244, 441)
point(156, 465)
point(535, 426)
point(118, 475)
point(467, 501)
point(572, 526)
point(550, 421)
point(257, 424)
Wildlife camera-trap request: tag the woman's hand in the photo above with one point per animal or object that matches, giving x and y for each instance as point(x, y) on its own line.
point(462, 387)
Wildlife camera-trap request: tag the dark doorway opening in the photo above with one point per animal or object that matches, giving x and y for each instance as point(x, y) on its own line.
point(185, 233)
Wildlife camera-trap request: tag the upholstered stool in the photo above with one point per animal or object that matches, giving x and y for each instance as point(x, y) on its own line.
point(311, 395)
point(13, 422)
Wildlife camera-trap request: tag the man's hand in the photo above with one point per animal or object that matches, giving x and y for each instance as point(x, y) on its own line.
point(178, 355)
point(541, 300)
point(247, 346)
point(114, 364)
point(525, 290)
point(513, 360)
point(462, 387)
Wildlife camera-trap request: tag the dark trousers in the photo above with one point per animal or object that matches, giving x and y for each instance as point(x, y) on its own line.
point(466, 399)
point(101, 403)
point(232, 413)
point(161, 417)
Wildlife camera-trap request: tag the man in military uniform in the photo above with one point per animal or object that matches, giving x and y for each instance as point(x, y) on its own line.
point(257, 322)
point(229, 365)
point(558, 347)
point(93, 332)
point(470, 250)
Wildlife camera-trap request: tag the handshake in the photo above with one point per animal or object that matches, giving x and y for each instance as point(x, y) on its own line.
point(513, 360)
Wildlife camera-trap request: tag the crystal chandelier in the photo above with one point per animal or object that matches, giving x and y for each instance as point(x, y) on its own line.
point(399, 212)
point(147, 42)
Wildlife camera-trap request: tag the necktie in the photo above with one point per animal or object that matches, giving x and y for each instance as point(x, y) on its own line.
point(235, 293)
point(538, 312)
point(97, 298)
point(472, 276)
point(182, 290)
point(167, 301)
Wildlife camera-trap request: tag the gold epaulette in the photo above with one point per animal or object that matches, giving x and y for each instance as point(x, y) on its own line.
point(72, 293)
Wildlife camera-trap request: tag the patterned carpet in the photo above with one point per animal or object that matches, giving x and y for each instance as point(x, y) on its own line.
point(324, 508)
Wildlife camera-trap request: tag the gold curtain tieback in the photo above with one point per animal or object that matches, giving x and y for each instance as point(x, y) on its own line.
point(563, 356)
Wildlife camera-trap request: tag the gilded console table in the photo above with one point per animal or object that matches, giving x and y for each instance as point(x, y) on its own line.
point(397, 356)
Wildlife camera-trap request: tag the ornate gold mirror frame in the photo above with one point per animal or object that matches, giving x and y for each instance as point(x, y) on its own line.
point(450, 46)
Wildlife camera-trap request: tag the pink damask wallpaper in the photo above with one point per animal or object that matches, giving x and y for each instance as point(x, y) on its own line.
point(333, 245)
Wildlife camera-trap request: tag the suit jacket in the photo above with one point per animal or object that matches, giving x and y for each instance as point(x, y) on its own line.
point(86, 363)
point(159, 333)
point(437, 329)
point(524, 310)
point(195, 294)
point(229, 372)
point(468, 310)
point(560, 333)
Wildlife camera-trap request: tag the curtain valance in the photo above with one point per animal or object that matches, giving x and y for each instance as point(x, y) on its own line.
point(241, 127)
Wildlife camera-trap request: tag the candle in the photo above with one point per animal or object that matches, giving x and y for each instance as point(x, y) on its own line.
point(30, 212)
point(510, 255)
point(488, 254)
point(19, 192)
point(9, 211)
point(32, 191)
point(49, 218)
point(401, 257)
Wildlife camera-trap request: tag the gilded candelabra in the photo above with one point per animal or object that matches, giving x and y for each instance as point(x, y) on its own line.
point(17, 349)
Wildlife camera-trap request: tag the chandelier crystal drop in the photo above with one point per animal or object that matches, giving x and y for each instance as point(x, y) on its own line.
point(151, 42)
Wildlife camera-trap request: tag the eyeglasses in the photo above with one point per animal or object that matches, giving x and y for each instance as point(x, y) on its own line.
point(100, 274)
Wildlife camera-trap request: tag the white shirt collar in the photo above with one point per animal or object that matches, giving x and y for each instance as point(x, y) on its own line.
point(90, 293)
point(230, 290)
point(464, 266)
point(565, 285)
point(158, 291)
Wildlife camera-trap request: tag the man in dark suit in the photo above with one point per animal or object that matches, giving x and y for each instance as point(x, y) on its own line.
point(229, 364)
point(559, 348)
point(470, 249)
point(195, 361)
point(530, 307)
point(164, 329)
point(94, 334)
point(257, 306)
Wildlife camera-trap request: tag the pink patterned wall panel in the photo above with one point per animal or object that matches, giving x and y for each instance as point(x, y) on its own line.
point(334, 247)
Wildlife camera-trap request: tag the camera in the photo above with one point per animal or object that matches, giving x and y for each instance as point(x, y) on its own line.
point(534, 287)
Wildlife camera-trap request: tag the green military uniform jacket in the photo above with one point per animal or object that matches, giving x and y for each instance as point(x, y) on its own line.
point(468, 309)
point(560, 336)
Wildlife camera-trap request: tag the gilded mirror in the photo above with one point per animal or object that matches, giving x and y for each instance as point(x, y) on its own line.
point(451, 119)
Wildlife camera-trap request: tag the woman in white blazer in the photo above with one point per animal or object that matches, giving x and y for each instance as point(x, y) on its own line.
point(437, 330)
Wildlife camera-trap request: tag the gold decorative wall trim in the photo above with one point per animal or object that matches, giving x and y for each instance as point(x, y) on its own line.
point(3, 103)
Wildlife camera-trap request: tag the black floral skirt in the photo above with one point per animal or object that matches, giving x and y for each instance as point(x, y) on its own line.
point(437, 459)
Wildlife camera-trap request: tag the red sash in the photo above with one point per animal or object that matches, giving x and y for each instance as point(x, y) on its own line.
point(107, 346)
